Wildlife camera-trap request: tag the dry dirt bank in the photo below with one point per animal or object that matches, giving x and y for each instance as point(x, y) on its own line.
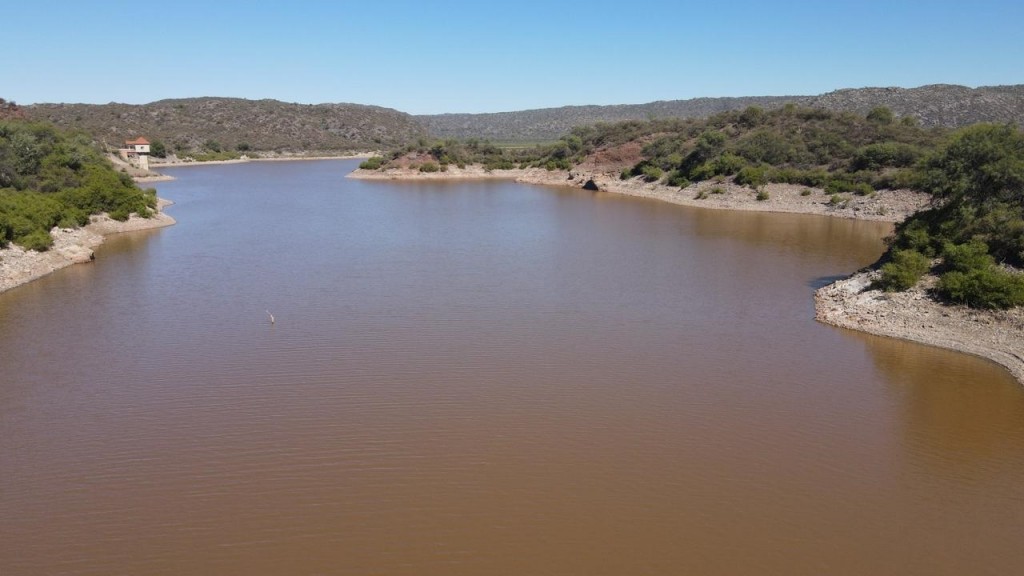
point(912, 315)
point(70, 246)
point(886, 205)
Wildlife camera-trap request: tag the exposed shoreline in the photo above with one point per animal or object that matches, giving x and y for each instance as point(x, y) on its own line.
point(155, 165)
point(997, 335)
point(885, 206)
point(71, 246)
point(912, 315)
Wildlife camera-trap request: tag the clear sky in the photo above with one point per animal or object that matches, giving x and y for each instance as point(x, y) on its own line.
point(437, 56)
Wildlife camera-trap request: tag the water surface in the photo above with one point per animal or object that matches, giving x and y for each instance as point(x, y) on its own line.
point(485, 378)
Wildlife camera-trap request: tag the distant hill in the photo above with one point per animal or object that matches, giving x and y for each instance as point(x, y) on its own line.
point(191, 123)
point(936, 105)
point(945, 105)
point(546, 124)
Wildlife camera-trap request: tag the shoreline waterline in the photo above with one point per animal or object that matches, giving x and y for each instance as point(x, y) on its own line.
point(157, 177)
point(71, 246)
point(884, 206)
point(847, 303)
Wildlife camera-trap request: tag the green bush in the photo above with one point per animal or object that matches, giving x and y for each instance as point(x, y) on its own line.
point(841, 185)
point(966, 257)
point(838, 200)
point(753, 176)
point(884, 154)
point(762, 195)
point(38, 240)
point(120, 214)
point(903, 271)
point(988, 287)
point(372, 163)
point(881, 115)
point(677, 179)
point(429, 167)
point(651, 173)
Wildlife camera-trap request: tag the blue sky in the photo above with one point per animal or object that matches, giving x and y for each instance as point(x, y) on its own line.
point(440, 56)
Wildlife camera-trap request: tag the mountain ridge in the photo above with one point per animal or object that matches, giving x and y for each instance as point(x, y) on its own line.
point(947, 105)
point(186, 124)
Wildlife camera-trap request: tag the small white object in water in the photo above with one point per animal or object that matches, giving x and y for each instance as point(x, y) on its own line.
point(271, 316)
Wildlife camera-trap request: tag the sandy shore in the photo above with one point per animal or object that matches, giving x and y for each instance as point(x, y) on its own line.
point(912, 315)
point(885, 205)
point(70, 246)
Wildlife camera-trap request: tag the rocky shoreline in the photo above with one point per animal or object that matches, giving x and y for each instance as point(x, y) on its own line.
point(848, 303)
point(70, 246)
point(885, 205)
point(914, 315)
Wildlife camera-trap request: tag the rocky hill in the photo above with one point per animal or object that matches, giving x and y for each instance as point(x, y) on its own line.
point(946, 105)
point(936, 105)
point(234, 123)
point(9, 110)
point(194, 123)
point(551, 123)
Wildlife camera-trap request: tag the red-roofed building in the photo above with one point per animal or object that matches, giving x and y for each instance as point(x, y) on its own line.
point(136, 152)
point(139, 146)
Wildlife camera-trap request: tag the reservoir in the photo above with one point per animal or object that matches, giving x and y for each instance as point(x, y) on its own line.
point(485, 378)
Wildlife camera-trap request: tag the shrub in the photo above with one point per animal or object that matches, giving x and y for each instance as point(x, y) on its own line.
point(677, 179)
point(701, 195)
point(429, 167)
point(837, 200)
point(988, 287)
point(753, 176)
point(38, 240)
point(881, 115)
point(903, 271)
point(966, 257)
point(838, 185)
point(765, 146)
point(372, 163)
point(805, 192)
point(762, 195)
point(120, 214)
point(882, 154)
point(652, 173)
point(717, 190)
point(914, 235)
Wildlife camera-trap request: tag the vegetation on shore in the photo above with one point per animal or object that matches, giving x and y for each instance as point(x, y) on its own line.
point(841, 152)
point(972, 236)
point(53, 178)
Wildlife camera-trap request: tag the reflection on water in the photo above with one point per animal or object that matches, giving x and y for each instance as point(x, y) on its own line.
point(485, 378)
point(959, 412)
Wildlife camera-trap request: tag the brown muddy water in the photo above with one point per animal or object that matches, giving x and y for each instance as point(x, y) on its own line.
point(485, 378)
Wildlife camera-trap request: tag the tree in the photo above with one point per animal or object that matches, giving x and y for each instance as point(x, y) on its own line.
point(982, 162)
point(158, 149)
point(881, 115)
